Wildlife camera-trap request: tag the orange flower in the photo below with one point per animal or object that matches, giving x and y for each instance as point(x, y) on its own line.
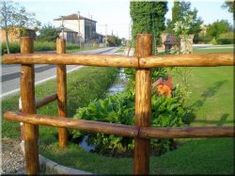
point(164, 87)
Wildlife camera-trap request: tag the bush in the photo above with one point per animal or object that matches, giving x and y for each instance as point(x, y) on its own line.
point(48, 33)
point(38, 46)
point(213, 41)
point(198, 38)
point(226, 38)
point(14, 47)
point(119, 108)
point(44, 46)
point(72, 46)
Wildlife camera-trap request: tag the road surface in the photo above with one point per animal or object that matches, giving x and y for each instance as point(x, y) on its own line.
point(11, 73)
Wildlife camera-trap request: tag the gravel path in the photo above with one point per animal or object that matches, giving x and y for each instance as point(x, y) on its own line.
point(12, 157)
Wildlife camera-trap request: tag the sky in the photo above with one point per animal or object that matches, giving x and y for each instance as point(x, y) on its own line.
point(114, 13)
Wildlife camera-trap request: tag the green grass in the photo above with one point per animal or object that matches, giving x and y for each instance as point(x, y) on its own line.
point(218, 49)
point(208, 156)
point(212, 94)
point(84, 85)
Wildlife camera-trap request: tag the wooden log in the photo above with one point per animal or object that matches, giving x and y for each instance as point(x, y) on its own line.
point(142, 106)
point(185, 60)
point(27, 93)
point(84, 125)
point(188, 60)
point(119, 129)
point(61, 93)
point(72, 59)
point(46, 100)
point(189, 132)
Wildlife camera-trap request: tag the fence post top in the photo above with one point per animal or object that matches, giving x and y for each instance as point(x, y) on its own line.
point(144, 34)
point(26, 37)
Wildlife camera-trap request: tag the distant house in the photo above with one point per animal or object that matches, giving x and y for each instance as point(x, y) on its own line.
point(14, 34)
point(69, 35)
point(78, 28)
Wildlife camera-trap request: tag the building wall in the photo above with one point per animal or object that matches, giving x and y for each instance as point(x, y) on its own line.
point(74, 25)
point(87, 28)
point(14, 35)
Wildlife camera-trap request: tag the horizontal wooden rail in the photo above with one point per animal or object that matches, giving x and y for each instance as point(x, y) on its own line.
point(119, 129)
point(189, 132)
point(188, 60)
point(185, 60)
point(71, 59)
point(46, 100)
point(84, 125)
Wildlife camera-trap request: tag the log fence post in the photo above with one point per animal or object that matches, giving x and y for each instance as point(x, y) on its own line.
point(61, 92)
point(142, 105)
point(27, 93)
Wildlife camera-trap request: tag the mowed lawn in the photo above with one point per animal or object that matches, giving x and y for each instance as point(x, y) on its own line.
point(212, 93)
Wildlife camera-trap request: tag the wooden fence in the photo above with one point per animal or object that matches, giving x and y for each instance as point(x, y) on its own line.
point(142, 131)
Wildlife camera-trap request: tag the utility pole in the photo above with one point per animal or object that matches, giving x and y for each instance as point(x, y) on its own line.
point(91, 28)
point(79, 32)
point(106, 35)
point(62, 26)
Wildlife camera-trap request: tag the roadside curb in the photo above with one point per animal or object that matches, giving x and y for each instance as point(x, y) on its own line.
point(50, 167)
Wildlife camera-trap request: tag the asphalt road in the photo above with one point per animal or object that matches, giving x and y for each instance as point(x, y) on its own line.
point(11, 73)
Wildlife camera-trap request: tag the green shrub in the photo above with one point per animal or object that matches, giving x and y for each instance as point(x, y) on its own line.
point(14, 47)
point(44, 46)
point(38, 46)
point(72, 46)
point(198, 38)
point(119, 108)
point(213, 41)
point(226, 38)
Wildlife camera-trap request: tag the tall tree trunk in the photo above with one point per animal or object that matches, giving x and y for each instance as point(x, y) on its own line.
point(7, 41)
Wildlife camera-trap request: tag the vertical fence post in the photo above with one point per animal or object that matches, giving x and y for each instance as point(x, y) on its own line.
point(142, 105)
point(27, 93)
point(61, 93)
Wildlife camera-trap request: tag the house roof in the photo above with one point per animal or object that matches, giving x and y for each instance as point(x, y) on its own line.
point(74, 17)
point(66, 30)
point(99, 34)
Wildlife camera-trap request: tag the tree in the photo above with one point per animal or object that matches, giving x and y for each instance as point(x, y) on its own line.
point(148, 17)
point(48, 33)
point(230, 5)
point(217, 28)
point(182, 13)
point(13, 15)
point(113, 40)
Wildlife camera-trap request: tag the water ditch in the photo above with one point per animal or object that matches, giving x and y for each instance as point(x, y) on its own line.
point(118, 86)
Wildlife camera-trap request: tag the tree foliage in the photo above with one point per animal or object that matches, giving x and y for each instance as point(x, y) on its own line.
point(148, 17)
point(230, 5)
point(113, 40)
point(218, 27)
point(181, 13)
point(47, 33)
point(14, 15)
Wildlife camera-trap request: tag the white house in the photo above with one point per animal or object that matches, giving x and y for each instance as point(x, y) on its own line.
point(75, 24)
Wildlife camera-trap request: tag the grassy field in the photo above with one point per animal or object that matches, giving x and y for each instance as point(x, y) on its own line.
point(212, 96)
point(80, 93)
point(207, 156)
point(212, 93)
